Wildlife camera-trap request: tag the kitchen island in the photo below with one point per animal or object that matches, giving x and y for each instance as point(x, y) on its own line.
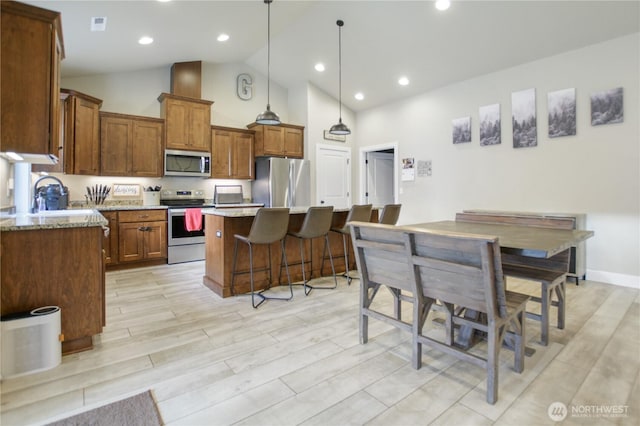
point(55, 258)
point(222, 224)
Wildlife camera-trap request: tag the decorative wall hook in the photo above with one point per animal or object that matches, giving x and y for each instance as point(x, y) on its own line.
point(244, 87)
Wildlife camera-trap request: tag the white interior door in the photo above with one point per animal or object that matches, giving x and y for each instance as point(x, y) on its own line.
point(333, 176)
point(379, 190)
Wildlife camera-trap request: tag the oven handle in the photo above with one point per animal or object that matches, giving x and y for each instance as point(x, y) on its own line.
point(177, 212)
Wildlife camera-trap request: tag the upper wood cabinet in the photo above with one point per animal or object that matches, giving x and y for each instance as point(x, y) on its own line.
point(79, 151)
point(81, 133)
point(284, 140)
point(187, 122)
point(30, 79)
point(232, 153)
point(130, 145)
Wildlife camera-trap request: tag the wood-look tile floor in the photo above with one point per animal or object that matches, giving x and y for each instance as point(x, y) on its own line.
point(213, 361)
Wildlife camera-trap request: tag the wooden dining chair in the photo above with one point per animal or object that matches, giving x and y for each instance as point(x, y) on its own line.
point(465, 271)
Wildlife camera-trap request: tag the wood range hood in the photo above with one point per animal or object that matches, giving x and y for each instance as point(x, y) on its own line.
point(186, 79)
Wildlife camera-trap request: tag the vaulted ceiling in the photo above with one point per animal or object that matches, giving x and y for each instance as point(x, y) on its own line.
point(381, 40)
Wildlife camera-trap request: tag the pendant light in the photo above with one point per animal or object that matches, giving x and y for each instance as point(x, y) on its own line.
point(340, 128)
point(268, 117)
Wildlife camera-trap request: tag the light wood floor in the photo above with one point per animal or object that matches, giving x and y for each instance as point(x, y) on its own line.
point(213, 361)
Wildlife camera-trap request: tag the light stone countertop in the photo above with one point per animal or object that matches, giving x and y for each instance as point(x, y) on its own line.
point(107, 208)
point(248, 212)
point(54, 219)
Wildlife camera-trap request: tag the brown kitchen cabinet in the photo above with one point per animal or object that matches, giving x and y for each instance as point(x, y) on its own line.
point(71, 278)
point(110, 243)
point(31, 52)
point(130, 145)
point(187, 122)
point(284, 140)
point(142, 235)
point(81, 133)
point(79, 151)
point(232, 153)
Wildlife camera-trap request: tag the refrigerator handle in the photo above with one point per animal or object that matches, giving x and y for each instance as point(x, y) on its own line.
point(292, 186)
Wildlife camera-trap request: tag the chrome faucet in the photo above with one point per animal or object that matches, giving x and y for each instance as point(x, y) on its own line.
point(34, 206)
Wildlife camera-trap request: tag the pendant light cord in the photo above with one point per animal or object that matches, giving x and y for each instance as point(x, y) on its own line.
point(340, 23)
point(268, 52)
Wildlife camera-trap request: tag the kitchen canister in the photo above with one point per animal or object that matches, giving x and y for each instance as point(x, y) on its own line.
point(151, 198)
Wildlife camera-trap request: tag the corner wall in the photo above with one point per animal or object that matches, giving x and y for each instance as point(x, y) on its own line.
point(596, 172)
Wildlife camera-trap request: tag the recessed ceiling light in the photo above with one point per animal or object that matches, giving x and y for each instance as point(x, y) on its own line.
point(223, 37)
point(359, 96)
point(145, 40)
point(403, 81)
point(443, 4)
point(164, 1)
point(319, 67)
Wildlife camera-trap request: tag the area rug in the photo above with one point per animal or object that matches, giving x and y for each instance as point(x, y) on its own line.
point(138, 410)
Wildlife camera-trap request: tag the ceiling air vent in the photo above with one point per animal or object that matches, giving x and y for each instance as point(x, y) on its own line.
point(98, 23)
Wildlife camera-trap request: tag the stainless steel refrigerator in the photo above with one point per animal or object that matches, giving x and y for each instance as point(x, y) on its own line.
point(281, 182)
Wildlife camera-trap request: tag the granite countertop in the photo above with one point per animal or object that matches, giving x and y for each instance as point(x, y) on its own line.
point(247, 212)
point(107, 208)
point(53, 219)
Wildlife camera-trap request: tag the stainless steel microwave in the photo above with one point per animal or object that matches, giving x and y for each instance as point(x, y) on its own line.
point(187, 163)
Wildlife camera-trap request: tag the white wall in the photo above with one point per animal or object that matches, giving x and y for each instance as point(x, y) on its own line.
point(324, 112)
point(595, 172)
point(6, 173)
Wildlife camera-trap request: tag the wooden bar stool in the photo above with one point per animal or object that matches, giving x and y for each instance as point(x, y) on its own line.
point(390, 214)
point(270, 225)
point(316, 224)
point(358, 213)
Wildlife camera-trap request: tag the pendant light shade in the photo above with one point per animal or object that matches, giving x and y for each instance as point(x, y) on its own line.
point(268, 117)
point(340, 128)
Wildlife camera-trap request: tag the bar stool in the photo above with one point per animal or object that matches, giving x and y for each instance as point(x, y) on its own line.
point(316, 224)
point(269, 225)
point(360, 213)
point(390, 214)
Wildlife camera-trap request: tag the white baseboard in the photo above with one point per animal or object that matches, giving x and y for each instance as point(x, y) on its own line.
point(622, 280)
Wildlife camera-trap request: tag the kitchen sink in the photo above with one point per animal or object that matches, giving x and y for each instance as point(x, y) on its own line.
point(69, 212)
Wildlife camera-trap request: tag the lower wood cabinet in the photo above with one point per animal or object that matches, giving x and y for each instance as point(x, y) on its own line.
point(110, 243)
point(142, 235)
point(61, 267)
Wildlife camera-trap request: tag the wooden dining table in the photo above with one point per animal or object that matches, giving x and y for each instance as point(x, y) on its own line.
point(526, 241)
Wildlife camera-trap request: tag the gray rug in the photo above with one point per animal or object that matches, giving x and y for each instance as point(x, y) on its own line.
point(138, 410)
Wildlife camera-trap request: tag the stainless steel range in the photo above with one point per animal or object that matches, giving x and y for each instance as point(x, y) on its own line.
point(183, 245)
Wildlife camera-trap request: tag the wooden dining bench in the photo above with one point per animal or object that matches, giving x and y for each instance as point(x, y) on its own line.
point(382, 262)
point(457, 270)
point(550, 273)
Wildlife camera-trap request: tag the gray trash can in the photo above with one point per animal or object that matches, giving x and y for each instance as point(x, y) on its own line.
point(31, 341)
